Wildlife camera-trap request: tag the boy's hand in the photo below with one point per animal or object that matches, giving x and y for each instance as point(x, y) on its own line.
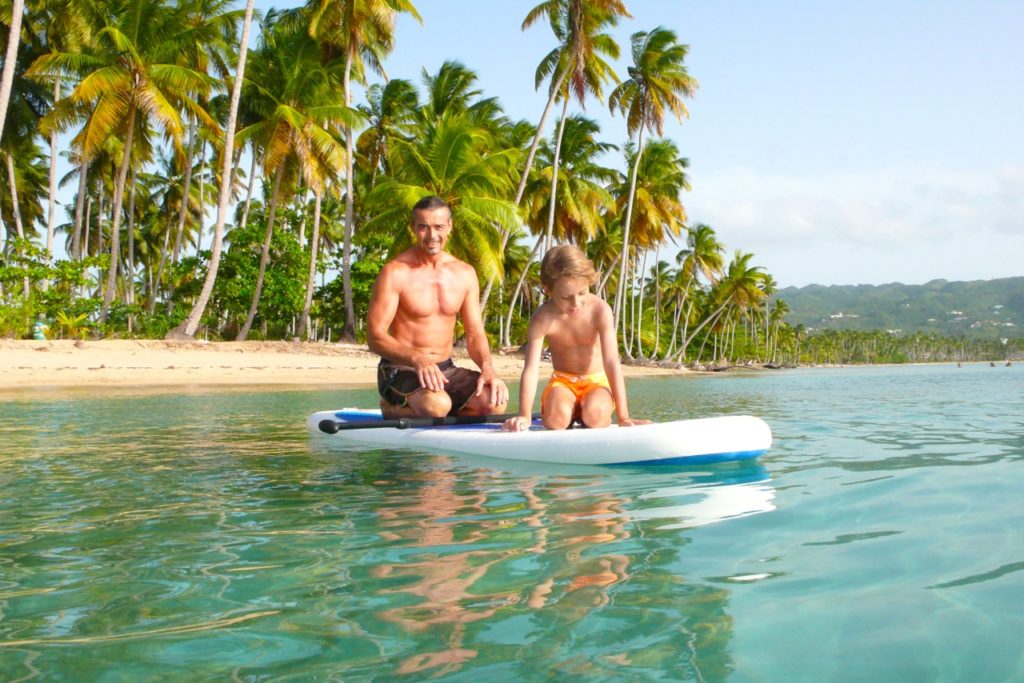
point(631, 422)
point(516, 424)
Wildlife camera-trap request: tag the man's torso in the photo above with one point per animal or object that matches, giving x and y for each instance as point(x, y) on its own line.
point(429, 299)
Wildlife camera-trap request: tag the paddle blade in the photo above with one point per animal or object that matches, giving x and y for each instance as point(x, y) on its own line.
point(329, 426)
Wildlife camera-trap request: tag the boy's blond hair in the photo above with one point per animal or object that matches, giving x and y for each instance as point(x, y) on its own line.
point(566, 261)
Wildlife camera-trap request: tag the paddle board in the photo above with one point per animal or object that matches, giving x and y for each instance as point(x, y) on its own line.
point(682, 442)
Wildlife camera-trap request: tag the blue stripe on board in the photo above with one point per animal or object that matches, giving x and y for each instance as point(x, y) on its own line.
point(695, 459)
point(357, 417)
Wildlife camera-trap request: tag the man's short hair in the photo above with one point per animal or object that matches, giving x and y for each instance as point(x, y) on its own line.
point(429, 203)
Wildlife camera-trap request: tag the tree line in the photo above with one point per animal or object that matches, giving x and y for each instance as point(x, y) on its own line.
point(239, 193)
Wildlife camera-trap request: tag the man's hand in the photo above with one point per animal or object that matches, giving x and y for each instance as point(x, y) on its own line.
point(630, 422)
point(431, 377)
point(498, 389)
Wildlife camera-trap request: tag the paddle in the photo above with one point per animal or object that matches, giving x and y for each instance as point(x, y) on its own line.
point(333, 426)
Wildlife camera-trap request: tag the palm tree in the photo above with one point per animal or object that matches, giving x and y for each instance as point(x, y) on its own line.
point(576, 67)
point(657, 80)
point(390, 112)
point(780, 309)
point(364, 30)
point(581, 199)
point(293, 92)
point(577, 25)
point(740, 288)
point(453, 90)
point(457, 161)
point(703, 258)
point(130, 77)
point(52, 23)
point(189, 326)
point(658, 214)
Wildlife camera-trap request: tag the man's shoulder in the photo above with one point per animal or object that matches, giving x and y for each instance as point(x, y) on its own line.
point(455, 263)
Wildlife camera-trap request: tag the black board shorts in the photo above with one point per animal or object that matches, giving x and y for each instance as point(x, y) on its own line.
point(396, 383)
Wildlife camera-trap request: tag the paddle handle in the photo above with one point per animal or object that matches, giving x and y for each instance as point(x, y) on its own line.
point(333, 426)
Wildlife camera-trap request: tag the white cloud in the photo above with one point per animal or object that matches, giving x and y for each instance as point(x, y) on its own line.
point(893, 206)
point(908, 224)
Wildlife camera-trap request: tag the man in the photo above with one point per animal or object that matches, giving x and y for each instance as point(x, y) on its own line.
point(411, 325)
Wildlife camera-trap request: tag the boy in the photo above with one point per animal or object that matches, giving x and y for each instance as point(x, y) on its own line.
point(587, 380)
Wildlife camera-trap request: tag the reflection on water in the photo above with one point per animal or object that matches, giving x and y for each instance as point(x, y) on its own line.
point(530, 565)
point(204, 536)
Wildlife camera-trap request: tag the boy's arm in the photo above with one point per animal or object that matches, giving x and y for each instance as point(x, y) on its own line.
point(528, 380)
point(612, 368)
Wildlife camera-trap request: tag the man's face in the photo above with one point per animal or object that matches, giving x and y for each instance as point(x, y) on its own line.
point(431, 227)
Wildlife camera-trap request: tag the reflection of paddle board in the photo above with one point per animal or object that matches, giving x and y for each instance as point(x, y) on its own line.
point(683, 442)
point(693, 506)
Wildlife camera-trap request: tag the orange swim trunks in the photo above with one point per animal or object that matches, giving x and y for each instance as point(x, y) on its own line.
point(579, 385)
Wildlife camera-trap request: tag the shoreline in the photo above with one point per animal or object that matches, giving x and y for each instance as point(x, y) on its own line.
point(139, 363)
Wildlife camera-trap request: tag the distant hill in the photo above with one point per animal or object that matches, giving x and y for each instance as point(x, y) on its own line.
point(979, 308)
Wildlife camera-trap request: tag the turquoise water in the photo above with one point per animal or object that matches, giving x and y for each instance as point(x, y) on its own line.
point(201, 535)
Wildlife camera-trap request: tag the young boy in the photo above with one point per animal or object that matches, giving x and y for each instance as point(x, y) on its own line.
point(587, 380)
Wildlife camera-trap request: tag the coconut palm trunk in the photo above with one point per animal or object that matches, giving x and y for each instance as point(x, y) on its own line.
point(507, 341)
point(553, 200)
point(83, 190)
point(311, 281)
point(506, 231)
point(620, 295)
point(16, 211)
point(189, 326)
point(51, 199)
point(10, 57)
point(186, 196)
point(248, 190)
point(708, 320)
point(264, 255)
point(348, 332)
point(130, 265)
point(115, 225)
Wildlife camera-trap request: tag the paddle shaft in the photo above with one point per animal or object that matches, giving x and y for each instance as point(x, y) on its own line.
point(333, 426)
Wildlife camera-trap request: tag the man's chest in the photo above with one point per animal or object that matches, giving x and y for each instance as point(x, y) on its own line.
point(432, 296)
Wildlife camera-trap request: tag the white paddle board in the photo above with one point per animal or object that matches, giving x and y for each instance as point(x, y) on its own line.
point(682, 442)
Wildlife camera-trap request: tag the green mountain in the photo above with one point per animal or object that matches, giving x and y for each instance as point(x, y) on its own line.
point(979, 308)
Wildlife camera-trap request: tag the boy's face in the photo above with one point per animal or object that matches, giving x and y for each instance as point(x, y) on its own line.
point(569, 294)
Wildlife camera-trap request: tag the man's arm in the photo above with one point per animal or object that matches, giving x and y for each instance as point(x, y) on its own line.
point(477, 346)
point(381, 314)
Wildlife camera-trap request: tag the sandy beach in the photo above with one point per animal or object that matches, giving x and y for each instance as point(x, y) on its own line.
point(152, 363)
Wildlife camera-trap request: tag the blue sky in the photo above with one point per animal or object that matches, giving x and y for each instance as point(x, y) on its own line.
point(841, 143)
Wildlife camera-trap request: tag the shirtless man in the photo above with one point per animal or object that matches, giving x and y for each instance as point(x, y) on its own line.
point(411, 325)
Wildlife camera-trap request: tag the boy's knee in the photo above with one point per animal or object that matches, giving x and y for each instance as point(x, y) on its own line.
point(558, 417)
point(597, 410)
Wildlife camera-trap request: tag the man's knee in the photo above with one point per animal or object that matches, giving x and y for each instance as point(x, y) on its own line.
point(481, 405)
point(428, 403)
